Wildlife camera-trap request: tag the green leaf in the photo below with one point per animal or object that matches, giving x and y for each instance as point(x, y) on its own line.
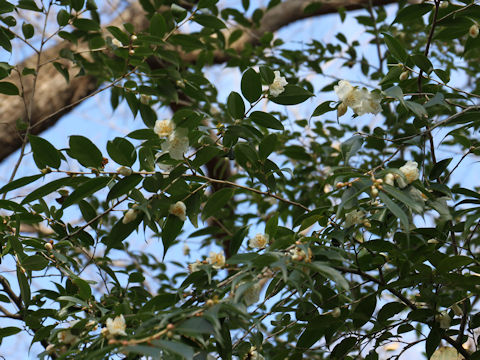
point(330, 273)
point(62, 70)
point(8, 88)
point(185, 351)
point(395, 92)
point(416, 108)
point(12, 206)
point(46, 189)
point(88, 188)
point(85, 151)
point(44, 153)
point(433, 340)
point(266, 120)
point(389, 310)
point(88, 212)
point(396, 48)
point(343, 348)
point(124, 186)
point(453, 262)
point(404, 198)
point(396, 210)
point(122, 151)
point(8, 331)
point(209, 21)
point(28, 30)
point(158, 26)
point(121, 231)
point(118, 34)
point(34, 263)
point(251, 85)
point(15, 184)
point(267, 74)
point(439, 168)
point(24, 287)
point(216, 202)
point(63, 17)
point(237, 239)
point(86, 24)
point(423, 63)
point(412, 13)
point(170, 231)
point(84, 290)
point(351, 146)
point(292, 95)
point(322, 108)
point(364, 310)
point(235, 105)
point(204, 155)
point(267, 146)
point(271, 226)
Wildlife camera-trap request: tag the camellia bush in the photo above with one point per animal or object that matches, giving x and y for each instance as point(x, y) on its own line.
point(351, 233)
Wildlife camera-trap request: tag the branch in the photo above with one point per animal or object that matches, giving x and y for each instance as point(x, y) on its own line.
point(55, 96)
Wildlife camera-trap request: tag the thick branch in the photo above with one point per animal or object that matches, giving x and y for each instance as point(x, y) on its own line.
point(55, 96)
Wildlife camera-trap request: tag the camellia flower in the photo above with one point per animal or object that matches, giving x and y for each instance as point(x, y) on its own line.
point(300, 255)
point(411, 172)
point(66, 337)
point(253, 354)
point(217, 260)
point(354, 217)
point(194, 267)
point(259, 241)
point(179, 209)
point(278, 85)
point(129, 216)
point(361, 101)
point(443, 320)
point(176, 144)
point(164, 128)
point(116, 326)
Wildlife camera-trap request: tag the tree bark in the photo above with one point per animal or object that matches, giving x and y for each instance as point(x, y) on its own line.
point(53, 97)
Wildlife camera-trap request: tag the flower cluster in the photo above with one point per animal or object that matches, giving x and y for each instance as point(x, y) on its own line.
point(361, 101)
point(278, 85)
point(176, 143)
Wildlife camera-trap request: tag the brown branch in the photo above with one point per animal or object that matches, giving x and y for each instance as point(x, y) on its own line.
point(55, 96)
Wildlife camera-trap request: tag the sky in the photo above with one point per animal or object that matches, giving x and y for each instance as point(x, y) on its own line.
point(95, 120)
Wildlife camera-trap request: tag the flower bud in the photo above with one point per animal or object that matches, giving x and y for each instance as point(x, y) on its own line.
point(129, 216)
point(133, 37)
point(48, 246)
point(374, 192)
point(131, 52)
point(444, 4)
point(341, 110)
point(473, 31)
point(124, 171)
point(457, 310)
point(45, 171)
point(336, 312)
point(145, 99)
point(404, 76)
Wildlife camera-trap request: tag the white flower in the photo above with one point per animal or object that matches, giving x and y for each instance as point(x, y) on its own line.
point(253, 355)
point(361, 101)
point(389, 179)
point(194, 267)
point(410, 170)
point(252, 294)
point(124, 171)
point(117, 43)
point(129, 216)
point(164, 128)
point(186, 250)
point(217, 260)
point(443, 320)
point(176, 144)
point(179, 209)
point(116, 326)
point(299, 255)
point(259, 241)
point(354, 217)
point(66, 337)
point(277, 87)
